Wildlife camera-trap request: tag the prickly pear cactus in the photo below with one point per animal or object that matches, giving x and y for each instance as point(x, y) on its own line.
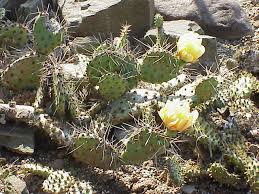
point(235, 154)
point(205, 90)
point(89, 150)
point(236, 94)
point(181, 170)
point(159, 66)
point(14, 35)
point(143, 146)
point(112, 86)
point(175, 170)
point(58, 181)
point(47, 34)
point(221, 175)
point(131, 105)
point(122, 41)
point(58, 94)
point(206, 134)
point(113, 68)
point(101, 64)
point(24, 73)
point(252, 174)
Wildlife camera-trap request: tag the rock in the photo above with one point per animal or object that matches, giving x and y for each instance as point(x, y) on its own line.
point(76, 71)
point(248, 60)
point(11, 6)
point(255, 133)
point(17, 184)
point(231, 63)
point(19, 139)
point(57, 164)
point(95, 17)
point(220, 18)
point(29, 9)
point(173, 30)
point(208, 61)
point(188, 189)
point(85, 45)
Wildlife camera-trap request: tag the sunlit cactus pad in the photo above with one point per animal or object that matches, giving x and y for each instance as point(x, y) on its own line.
point(24, 73)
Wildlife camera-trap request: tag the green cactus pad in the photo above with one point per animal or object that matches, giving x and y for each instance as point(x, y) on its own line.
point(23, 74)
point(13, 36)
point(142, 147)
point(59, 94)
point(206, 134)
point(130, 73)
point(221, 175)
point(206, 90)
point(175, 170)
point(45, 39)
point(252, 175)
point(58, 181)
point(112, 86)
point(88, 150)
point(159, 66)
point(101, 64)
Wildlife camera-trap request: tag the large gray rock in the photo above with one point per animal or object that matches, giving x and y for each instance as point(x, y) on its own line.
point(85, 45)
point(17, 138)
point(11, 6)
point(29, 9)
point(94, 17)
point(174, 29)
point(220, 18)
point(18, 185)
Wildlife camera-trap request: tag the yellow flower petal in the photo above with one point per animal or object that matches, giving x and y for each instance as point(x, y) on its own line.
point(189, 47)
point(176, 115)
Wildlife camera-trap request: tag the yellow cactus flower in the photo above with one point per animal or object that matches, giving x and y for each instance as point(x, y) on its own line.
point(189, 47)
point(176, 115)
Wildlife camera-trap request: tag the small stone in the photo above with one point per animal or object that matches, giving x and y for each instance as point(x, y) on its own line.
point(255, 133)
point(17, 138)
point(231, 64)
point(188, 189)
point(18, 185)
